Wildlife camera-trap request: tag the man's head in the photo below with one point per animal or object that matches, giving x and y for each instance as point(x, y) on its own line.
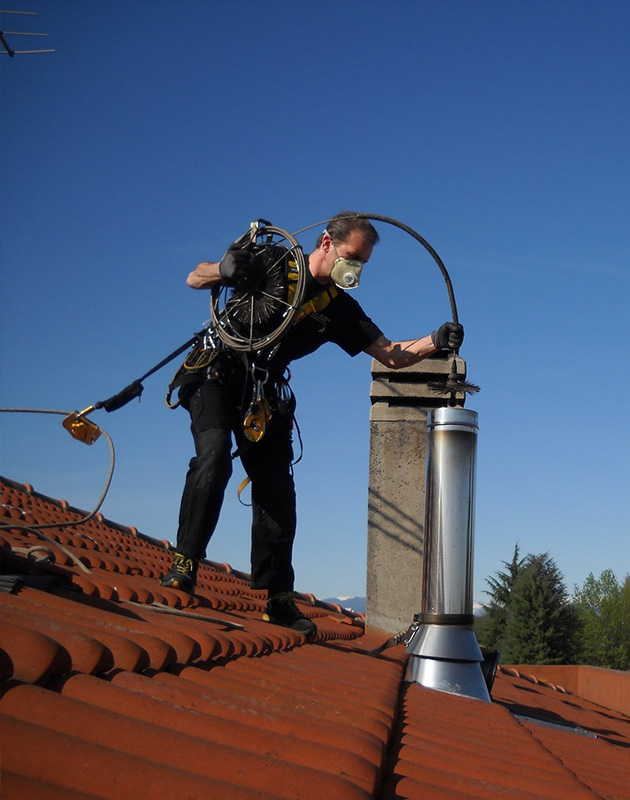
point(344, 247)
point(342, 225)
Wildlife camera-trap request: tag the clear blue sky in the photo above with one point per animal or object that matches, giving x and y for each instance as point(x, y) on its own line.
point(159, 130)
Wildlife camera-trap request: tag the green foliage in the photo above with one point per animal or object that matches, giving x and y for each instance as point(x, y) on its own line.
point(528, 618)
point(540, 624)
point(490, 628)
point(603, 609)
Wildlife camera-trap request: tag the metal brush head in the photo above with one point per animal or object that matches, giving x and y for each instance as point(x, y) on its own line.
point(450, 385)
point(454, 383)
point(268, 300)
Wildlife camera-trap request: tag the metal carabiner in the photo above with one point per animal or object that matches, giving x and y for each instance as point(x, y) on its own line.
point(258, 414)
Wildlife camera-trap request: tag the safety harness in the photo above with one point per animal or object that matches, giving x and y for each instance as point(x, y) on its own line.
point(207, 347)
point(259, 413)
point(315, 304)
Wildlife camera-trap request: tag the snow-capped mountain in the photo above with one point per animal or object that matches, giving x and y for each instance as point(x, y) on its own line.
point(356, 604)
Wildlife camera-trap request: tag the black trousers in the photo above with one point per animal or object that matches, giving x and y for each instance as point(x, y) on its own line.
point(216, 412)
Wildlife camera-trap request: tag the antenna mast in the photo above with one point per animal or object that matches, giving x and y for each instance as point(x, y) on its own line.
point(6, 48)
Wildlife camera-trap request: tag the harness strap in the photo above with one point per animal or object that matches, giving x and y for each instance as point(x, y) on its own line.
point(315, 304)
point(244, 484)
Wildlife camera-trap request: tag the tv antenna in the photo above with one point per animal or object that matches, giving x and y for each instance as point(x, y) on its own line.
point(6, 48)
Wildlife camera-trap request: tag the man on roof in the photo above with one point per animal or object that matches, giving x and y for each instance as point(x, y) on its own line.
point(217, 407)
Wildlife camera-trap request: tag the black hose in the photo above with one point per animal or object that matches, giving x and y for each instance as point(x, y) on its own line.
point(411, 232)
point(426, 245)
point(454, 383)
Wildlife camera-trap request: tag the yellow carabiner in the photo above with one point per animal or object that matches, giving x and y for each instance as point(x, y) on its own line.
point(256, 419)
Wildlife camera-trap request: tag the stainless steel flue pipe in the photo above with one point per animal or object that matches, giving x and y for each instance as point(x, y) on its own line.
point(444, 651)
point(450, 512)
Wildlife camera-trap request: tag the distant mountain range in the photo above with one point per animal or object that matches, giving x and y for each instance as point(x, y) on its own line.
point(356, 604)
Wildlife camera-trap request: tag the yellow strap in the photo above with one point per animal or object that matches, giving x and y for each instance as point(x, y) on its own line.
point(315, 304)
point(242, 488)
point(318, 303)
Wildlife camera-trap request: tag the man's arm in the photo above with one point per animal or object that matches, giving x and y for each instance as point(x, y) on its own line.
point(204, 276)
point(401, 354)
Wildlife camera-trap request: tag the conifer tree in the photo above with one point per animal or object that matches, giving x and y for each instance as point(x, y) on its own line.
point(540, 623)
point(490, 628)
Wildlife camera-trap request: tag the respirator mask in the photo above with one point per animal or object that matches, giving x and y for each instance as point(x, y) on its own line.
point(346, 272)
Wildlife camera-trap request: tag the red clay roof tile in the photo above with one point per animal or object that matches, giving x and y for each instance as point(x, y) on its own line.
point(255, 764)
point(240, 734)
point(80, 765)
point(115, 687)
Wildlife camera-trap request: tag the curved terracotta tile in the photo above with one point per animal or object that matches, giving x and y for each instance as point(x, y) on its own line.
point(249, 737)
point(277, 637)
point(110, 774)
point(141, 586)
point(265, 773)
point(124, 591)
point(126, 653)
point(207, 635)
point(221, 705)
point(248, 685)
point(92, 559)
point(104, 589)
point(4, 543)
point(126, 647)
point(135, 624)
point(86, 653)
point(33, 656)
point(354, 657)
point(22, 786)
point(322, 683)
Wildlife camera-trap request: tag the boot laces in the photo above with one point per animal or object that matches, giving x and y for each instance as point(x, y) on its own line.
point(184, 565)
point(284, 604)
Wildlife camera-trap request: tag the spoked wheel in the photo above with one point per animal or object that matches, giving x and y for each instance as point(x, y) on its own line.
point(256, 317)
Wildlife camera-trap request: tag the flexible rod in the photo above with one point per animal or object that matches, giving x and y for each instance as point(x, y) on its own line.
point(397, 224)
point(428, 248)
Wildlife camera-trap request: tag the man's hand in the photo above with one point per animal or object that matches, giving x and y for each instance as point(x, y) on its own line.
point(448, 336)
point(237, 267)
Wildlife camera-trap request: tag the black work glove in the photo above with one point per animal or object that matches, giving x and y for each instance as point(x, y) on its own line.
point(237, 268)
point(448, 336)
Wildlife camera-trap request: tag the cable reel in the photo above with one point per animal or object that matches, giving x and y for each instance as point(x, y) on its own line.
point(253, 319)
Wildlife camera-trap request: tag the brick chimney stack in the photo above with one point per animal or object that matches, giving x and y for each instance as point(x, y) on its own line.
point(401, 400)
